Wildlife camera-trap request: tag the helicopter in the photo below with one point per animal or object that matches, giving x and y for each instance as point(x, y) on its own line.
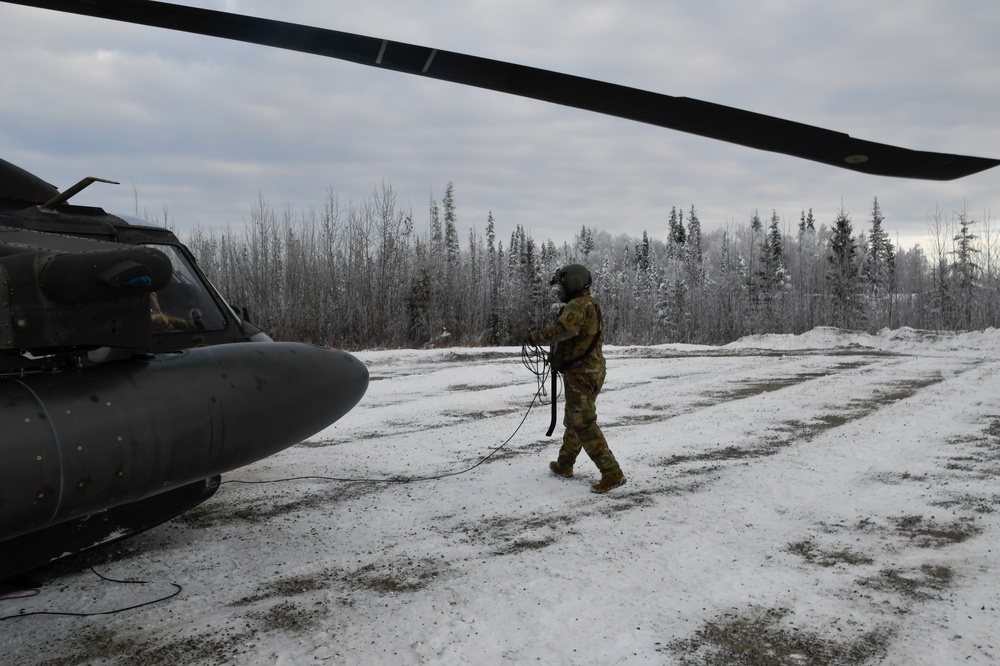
point(128, 384)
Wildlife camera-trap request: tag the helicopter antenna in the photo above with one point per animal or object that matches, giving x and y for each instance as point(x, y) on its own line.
point(49, 206)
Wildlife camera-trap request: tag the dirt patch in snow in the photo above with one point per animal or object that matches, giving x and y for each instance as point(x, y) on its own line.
point(767, 637)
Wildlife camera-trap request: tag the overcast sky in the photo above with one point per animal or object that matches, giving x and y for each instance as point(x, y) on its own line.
point(203, 126)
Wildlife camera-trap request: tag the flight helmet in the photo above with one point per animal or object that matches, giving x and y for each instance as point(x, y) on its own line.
point(571, 280)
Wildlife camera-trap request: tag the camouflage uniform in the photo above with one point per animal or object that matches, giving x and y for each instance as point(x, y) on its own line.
point(572, 334)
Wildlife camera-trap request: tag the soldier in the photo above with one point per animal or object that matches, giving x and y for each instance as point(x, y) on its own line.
point(576, 338)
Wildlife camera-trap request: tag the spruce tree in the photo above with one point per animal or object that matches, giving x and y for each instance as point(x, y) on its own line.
point(807, 222)
point(752, 268)
point(773, 256)
point(965, 269)
point(419, 297)
point(676, 236)
point(694, 251)
point(434, 213)
point(842, 272)
point(586, 242)
point(450, 225)
point(881, 258)
point(643, 253)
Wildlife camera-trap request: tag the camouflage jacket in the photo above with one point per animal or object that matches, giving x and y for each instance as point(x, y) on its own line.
point(573, 333)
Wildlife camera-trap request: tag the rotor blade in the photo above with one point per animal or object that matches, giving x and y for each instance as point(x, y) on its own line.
point(678, 113)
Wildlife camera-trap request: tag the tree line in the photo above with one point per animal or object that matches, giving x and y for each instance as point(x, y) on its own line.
point(364, 276)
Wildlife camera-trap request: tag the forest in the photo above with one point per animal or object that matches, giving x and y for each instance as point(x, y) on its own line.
point(367, 276)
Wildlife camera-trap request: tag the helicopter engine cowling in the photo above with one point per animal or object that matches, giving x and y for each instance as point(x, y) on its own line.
point(82, 442)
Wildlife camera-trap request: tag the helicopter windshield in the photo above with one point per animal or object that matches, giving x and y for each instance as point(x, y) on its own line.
point(184, 304)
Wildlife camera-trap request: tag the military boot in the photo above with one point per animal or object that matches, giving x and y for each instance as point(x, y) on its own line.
point(608, 481)
point(563, 470)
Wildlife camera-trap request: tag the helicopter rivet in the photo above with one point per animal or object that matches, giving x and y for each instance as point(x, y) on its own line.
point(27, 420)
point(121, 473)
point(109, 404)
point(79, 448)
point(81, 484)
point(41, 495)
point(68, 412)
point(38, 458)
point(120, 438)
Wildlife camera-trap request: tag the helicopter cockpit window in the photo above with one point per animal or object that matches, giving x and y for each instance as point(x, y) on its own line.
point(184, 305)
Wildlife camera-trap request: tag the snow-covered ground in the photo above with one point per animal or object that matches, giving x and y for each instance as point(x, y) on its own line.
point(829, 498)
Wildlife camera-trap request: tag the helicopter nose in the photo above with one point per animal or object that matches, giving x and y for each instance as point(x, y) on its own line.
point(341, 382)
point(285, 393)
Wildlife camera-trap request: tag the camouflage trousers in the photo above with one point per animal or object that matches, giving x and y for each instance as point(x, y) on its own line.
point(580, 420)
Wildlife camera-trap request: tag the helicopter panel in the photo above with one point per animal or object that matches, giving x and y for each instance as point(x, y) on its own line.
point(31, 498)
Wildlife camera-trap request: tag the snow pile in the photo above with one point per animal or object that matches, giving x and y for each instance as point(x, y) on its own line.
point(903, 340)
